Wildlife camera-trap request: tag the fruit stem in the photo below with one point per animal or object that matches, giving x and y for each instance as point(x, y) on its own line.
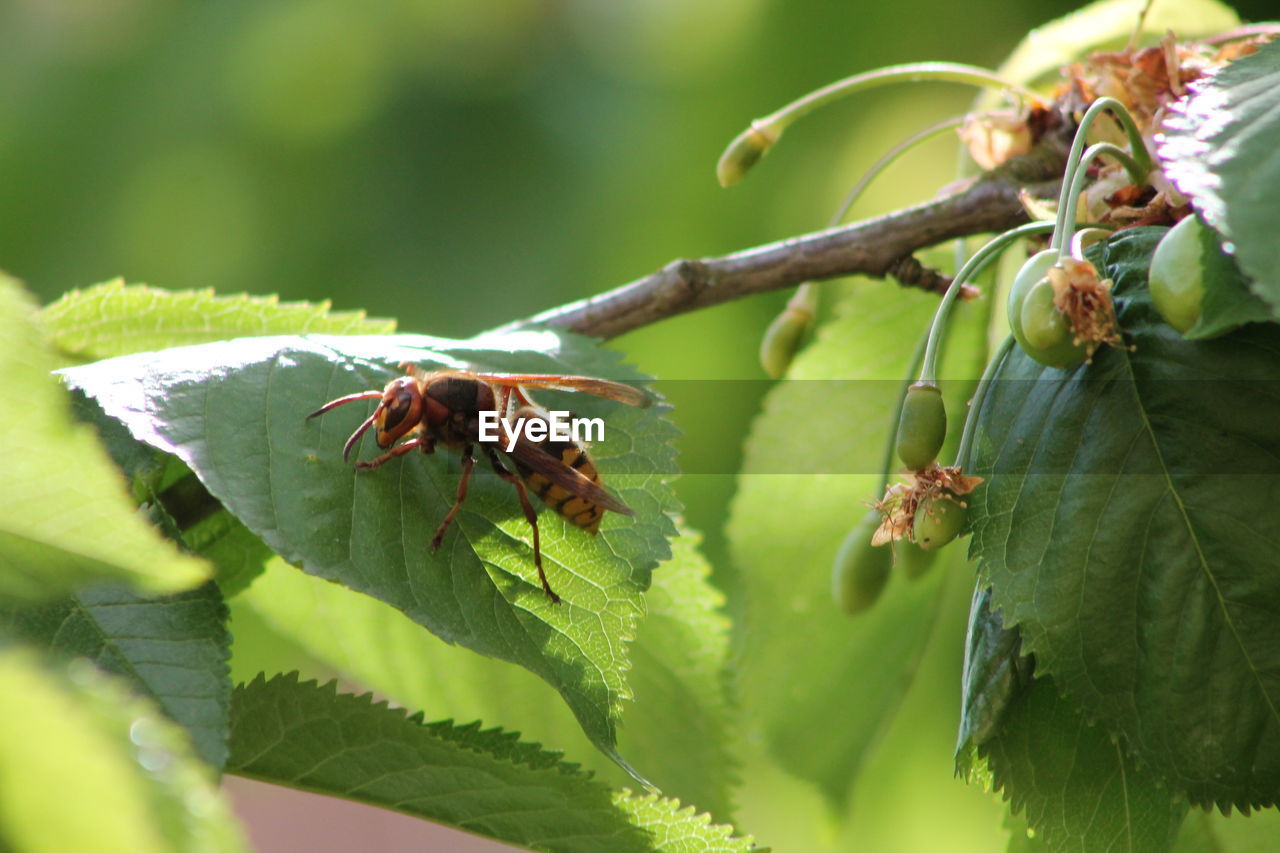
point(975, 265)
point(752, 144)
point(804, 303)
point(979, 396)
point(805, 300)
point(1098, 232)
point(1141, 159)
point(887, 160)
point(1093, 152)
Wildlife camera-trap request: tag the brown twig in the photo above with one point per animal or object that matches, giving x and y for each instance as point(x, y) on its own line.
point(874, 247)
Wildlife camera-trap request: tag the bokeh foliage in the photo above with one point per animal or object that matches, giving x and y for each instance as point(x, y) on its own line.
point(458, 165)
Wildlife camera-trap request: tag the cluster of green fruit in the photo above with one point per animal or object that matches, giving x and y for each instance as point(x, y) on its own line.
point(1045, 332)
point(861, 570)
point(1175, 278)
point(1060, 311)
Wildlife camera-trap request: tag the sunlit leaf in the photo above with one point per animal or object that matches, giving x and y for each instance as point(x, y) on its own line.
point(86, 766)
point(1126, 530)
point(114, 318)
point(235, 413)
point(483, 781)
point(173, 649)
point(1221, 147)
point(65, 517)
point(677, 731)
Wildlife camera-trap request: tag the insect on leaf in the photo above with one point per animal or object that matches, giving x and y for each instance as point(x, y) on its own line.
point(235, 412)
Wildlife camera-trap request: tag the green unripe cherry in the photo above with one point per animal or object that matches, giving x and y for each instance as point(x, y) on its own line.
point(937, 522)
point(1046, 334)
point(1032, 272)
point(860, 570)
point(1176, 274)
point(922, 426)
point(1040, 328)
point(782, 339)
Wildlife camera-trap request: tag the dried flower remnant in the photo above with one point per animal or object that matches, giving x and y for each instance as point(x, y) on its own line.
point(1085, 300)
point(994, 137)
point(901, 500)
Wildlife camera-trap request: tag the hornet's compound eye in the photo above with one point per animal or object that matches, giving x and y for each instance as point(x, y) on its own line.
point(397, 409)
point(401, 409)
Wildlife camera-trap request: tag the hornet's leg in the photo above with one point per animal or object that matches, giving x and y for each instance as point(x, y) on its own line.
point(529, 516)
point(427, 444)
point(468, 462)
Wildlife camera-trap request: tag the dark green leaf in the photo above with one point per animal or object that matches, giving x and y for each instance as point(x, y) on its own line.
point(175, 500)
point(114, 318)
point(1078, 789)
point(486, 782)
point(86, 766)
point(995, 673)
point(238, 556)
point(1127, 527)
point(172, 649)
point(235, 413)
point(65, 518)
point(1228, 302)
point(1222, 148)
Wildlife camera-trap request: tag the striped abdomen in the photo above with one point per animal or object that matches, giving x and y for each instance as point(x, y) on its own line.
point(576, 510)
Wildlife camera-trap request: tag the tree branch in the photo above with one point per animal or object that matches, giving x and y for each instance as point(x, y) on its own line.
point(873, 247)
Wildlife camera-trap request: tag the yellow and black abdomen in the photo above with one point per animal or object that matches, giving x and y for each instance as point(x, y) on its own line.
point(577, 510)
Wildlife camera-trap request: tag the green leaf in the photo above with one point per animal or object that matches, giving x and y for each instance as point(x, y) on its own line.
point(172, 649)
point(1221, 147)
point(806, 667)
point(679, 729)
point(235, 413)
point(483, 781)
point(1228, 302)
point(237, 554)
point(1126, 528)
point(65, 518)
point(175, 501)
point(682, 723)
point(114, 318)
point(1078, 789)
point(86, 766)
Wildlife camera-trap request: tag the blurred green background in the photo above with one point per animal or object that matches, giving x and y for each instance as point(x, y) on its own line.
point(459, 165)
